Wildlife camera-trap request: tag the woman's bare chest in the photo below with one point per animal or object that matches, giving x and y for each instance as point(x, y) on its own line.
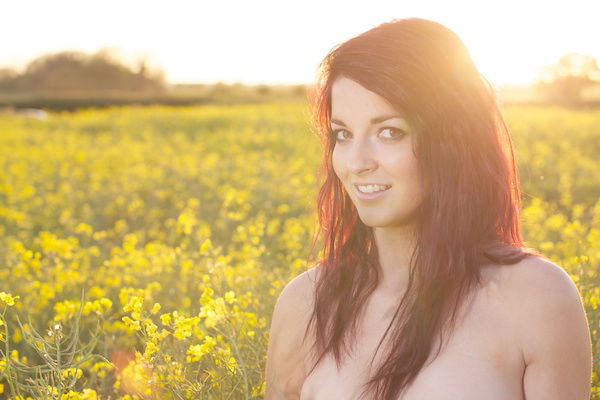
point(479, 360)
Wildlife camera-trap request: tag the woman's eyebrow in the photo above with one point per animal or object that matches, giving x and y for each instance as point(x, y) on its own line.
point(375, 120)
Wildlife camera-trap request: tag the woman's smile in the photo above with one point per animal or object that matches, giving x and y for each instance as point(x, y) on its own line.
point(371, 192)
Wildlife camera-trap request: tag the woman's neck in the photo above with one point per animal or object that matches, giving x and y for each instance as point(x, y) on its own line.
point(394, 246)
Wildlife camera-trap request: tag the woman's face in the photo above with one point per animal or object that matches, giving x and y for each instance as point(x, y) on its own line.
point(374, 145)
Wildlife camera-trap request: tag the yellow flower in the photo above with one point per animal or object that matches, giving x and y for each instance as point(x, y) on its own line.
point(52, 390)
point(206, 296)
point(163, 334)
point(106, 303)
point(97, 306)
point(165, 319)
point(100, 368)
point(211, 317)
point(131, 324)
point(89, 394)
point(84, 228)
point(206, 245)
point(209, 343)
point(183, 327)
point(17, 335)
point(195, 352)
point(231, 364)
point(8, 299)
point(230, 297)
point(151, 348)
point(134, 304)
point(155, 308)
point(65, 309)
point(76, 372)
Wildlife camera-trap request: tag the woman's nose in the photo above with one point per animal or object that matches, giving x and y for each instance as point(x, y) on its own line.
point(361, 158)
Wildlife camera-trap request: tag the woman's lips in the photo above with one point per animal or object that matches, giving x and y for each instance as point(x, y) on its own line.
point(370, 196)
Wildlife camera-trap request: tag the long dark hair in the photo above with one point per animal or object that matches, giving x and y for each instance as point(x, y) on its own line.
point(470, 212)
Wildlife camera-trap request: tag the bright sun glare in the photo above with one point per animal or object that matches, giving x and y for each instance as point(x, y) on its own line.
point(271, 42)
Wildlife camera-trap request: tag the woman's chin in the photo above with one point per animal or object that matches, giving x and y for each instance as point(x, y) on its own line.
point(379, 220)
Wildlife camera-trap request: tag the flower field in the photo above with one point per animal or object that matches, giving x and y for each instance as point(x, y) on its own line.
point(142, 249)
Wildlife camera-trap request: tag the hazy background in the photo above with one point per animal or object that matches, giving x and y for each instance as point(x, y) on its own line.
point(192, 44)
point(267, 41)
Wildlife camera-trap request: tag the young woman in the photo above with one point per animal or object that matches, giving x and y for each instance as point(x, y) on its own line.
point(426, 290)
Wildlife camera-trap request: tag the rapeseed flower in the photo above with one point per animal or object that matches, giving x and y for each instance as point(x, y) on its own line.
point(8, 299)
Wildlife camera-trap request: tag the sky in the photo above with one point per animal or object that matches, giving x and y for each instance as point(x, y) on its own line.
point(277, 41)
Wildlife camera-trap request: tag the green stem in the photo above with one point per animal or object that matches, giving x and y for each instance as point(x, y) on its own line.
point(58, 364)
point(242, 364)
point(7, 356)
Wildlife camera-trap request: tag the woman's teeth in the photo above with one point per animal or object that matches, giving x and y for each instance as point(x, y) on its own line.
point(373, 188)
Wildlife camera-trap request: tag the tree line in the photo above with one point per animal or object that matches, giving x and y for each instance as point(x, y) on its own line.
point(566, 81)
point(73, 71)
point(59, 76)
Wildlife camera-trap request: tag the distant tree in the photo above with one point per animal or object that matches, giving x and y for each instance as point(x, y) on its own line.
point(7, 79)
point(564, 81)
point(220, 90)
point(300, 90)
point(77, 71)
point(263, 89)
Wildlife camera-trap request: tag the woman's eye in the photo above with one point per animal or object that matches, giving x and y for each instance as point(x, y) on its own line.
point(399, 133)
point(340, 135)
point(336, 134)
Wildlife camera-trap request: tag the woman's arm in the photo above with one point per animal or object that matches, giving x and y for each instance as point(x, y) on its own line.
point(555, 335)
point(286, 355)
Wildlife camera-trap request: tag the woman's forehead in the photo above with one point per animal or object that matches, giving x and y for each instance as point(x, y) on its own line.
point(349, 99)
point(349, 96)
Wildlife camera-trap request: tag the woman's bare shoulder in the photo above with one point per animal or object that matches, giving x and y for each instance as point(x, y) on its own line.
point(552, 327)
point(287, 352)
point(534, 278)
point(532, 285)
point(300, 290)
